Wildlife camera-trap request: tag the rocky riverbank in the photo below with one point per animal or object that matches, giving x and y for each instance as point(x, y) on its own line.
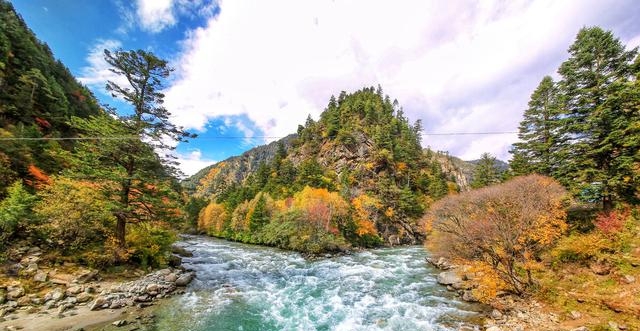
point(513, 313)
point(507, 312)
point(68, 297)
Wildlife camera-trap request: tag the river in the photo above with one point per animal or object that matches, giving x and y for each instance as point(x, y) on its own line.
point(246, 287)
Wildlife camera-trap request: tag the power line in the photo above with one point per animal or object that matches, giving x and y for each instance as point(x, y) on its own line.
point(234, 137)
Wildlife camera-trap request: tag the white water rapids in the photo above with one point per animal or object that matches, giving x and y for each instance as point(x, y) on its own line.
point(244, 287)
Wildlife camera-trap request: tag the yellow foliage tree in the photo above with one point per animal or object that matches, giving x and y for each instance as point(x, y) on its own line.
point(321, 207)
point(504, 226)
point(75, 214)
point(212, 218)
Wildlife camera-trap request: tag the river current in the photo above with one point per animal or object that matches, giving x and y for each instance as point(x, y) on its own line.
point(245, 287)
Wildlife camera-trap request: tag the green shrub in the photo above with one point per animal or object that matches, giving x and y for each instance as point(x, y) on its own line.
point(15, 211)
point(291, 231)
point(149, 244)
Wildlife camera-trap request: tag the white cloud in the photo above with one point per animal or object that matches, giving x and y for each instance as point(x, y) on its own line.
point(459, 66)
point(97, 73)
point(192, 162)
point(155, 15)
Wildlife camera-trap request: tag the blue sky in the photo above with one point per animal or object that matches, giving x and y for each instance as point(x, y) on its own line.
point(257, 69)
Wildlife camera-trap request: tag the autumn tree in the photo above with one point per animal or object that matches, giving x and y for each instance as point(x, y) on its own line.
point(503, 227)
point(74, 213)
point(322, 208)
point(135, 152)
point(212, 219)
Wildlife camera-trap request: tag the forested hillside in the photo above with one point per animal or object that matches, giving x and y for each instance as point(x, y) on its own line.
point(81, 182)
point(357, 176)
point(38, 97)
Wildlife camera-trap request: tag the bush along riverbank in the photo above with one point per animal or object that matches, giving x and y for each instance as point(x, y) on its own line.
point(35, 296)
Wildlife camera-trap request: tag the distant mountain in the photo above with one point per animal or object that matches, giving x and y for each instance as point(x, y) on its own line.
point(216, 178)
point(362, 147)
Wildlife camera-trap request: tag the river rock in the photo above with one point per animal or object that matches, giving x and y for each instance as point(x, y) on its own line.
point(181, 251)
point(31, 269)
point(628, 279)
point(581, 328)
point(468, 296)
point(171, 278)
point(496, 314)
point(493, 328)
point(441, 263)
point(15, 293)
point(40, 276)
point(152, 288)
point(84, 297)
point(73, 290)
point(98, 303)
point(56, 295)
point(61, 278)
point(175, 261)
point(184, 279)
point(165, 271)
point(23, 301)
point(575, 315)
point(449, 278)
point(86, 276)
point(119, 323)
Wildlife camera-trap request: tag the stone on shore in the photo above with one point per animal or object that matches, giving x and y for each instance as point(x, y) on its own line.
point(449, 278)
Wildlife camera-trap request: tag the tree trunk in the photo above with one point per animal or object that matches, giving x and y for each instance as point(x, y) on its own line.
point(122, 216)
point(607, 203)
point(121, 230)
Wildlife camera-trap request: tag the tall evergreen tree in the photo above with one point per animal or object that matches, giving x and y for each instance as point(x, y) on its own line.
point(486, 172)
point(138, 160)
point(538, 132)
point(597, 69)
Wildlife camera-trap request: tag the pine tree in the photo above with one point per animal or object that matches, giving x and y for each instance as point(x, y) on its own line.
point(138, 161)
point(486, 172)
point(538, 132)
point(597, 69)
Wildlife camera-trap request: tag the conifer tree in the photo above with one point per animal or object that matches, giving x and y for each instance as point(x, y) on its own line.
point(486, 172)
point(538, 132)
point(597, 69)
point(138, 160)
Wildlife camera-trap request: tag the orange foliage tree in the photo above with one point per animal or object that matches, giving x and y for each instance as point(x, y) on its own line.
point(366, 211)
point(323, 208)
point(505, 227)
point(40, 178)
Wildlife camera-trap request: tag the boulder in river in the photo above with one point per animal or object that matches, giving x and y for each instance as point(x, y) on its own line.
point(184, 279)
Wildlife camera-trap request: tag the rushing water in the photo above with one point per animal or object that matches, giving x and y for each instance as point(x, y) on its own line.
point(244, 287)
